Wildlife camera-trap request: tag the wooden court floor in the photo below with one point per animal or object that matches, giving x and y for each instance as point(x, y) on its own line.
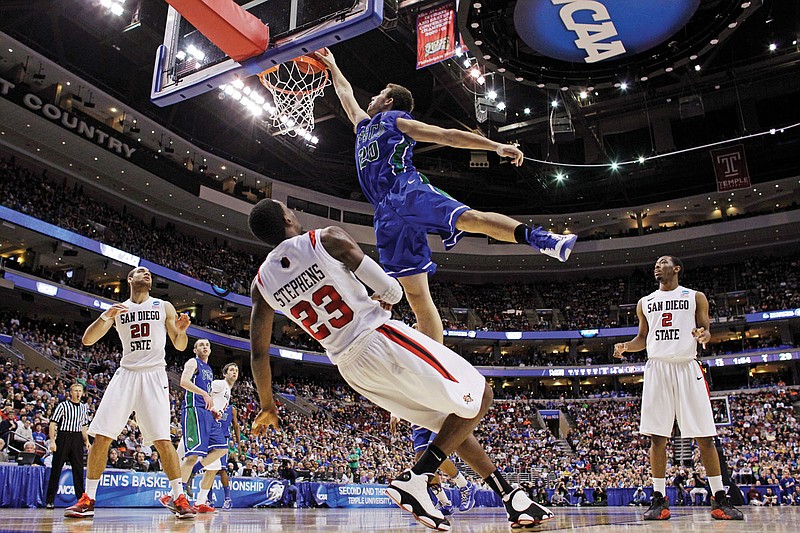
point(611, 520)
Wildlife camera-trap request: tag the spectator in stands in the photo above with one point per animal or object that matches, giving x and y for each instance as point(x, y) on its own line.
point(3, 451)
point(788, 487)
point(115, 461)
point(289, 474)
point(754, 497)
point(600, 496)
point(639, 497)
point(8, 426)
point(141, 464)
point(155, 462)
point(770, 498)
point(23, 433)
point(30, 447)
point(679, 482)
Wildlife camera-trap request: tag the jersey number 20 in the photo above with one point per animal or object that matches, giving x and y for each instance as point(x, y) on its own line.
point(368, 154)
point(304, 312)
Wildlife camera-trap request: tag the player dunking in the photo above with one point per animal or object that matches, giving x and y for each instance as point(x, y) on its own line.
point(202, 434)
point(139, 384)
point(314, 279)
point(672, 320)
point(407, 206)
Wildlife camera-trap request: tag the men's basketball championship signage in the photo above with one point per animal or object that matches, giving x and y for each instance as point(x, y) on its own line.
point(436, 35)
point(730, 166)
point(590, 31)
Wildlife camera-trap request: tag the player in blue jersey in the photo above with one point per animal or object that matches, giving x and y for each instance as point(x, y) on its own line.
point(407, 206)
point(202, 434)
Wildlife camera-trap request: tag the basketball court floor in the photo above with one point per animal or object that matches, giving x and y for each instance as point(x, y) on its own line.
point(611, 520)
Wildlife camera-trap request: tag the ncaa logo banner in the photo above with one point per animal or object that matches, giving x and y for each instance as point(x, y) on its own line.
point(591, 31)
point(436, 35)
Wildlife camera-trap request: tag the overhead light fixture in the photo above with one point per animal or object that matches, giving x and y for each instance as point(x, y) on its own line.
point(772, 48)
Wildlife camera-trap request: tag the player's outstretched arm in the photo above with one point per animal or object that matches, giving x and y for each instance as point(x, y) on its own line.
point(100, 327)
point(639, 342)
point(261, 317)
point(341, 246)
point(177, 324)
point(422, 132)
point(343, 88)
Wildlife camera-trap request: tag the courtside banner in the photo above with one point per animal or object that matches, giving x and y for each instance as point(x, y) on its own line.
point(436, 34)
point(123, 488)
point(730, 167)
point(336, 495)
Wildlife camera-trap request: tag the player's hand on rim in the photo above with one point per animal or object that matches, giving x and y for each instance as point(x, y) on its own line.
point(701, 335)
point(326, 56)
point(511, 151)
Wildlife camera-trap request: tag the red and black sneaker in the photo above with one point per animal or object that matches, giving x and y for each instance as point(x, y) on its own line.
point(83, 509)
point(659, 508)
point(183, 509)
point(723, 509)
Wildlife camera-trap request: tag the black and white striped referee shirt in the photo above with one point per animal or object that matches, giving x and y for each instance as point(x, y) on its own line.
point(70, 416)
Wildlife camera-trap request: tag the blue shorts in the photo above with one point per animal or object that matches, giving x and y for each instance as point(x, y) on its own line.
point(403, 219)
point(201, 432)
point(422, 438)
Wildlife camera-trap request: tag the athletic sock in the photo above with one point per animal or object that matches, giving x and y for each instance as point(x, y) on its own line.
point(499, 484)
point(91, 488)
point(716, 484)
point(227, 490)
point(177, 488)
point(203, 496)
point(460, 481)
point(660, 485)
point(440, 493)
point(430, 461)
point(521, 233)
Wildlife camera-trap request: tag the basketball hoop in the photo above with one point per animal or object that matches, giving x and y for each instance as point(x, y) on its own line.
point(294, 86)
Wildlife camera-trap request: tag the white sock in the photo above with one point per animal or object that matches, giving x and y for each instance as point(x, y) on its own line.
point(460, 481)
point(716, 484)
point(202, 496)
point(177, 487)
point(660, 485)
point(91, 488)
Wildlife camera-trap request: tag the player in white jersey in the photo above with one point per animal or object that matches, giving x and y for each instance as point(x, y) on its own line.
point(672, 320)
point(139, 384)
point(314, 279)
point(226, 416)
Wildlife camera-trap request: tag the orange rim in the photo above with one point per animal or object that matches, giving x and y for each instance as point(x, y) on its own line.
point(314, 67)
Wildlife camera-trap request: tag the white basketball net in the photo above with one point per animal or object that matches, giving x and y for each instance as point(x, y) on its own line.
point(294, 87)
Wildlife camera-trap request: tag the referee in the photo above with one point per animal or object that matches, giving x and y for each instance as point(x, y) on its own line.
point(71, 420)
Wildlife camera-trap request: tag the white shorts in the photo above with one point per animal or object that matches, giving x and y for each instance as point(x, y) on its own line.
point(676, 391)
point(144, 391)
point(412, 376)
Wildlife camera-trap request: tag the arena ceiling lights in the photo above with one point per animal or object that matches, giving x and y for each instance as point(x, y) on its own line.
point(574, 44)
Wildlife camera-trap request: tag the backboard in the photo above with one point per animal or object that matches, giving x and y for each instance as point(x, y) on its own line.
point(189, 64)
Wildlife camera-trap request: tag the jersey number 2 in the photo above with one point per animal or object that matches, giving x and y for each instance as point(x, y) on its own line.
point(304, 312)
point(666, 320)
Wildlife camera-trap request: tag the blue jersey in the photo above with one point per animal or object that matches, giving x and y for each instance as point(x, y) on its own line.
point(225, 421)
point(202, 378)
point(383, 153)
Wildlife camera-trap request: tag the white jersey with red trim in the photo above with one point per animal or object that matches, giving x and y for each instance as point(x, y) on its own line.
point(318, 293)
point(670, 320)
point(143, 332)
